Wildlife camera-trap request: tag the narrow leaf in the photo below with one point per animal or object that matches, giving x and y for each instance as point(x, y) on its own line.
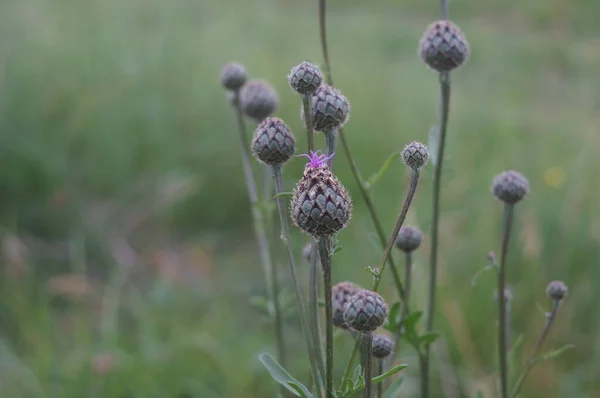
point(428, 338)
point(389, 373)
point(554, 353)
point(433, 144)
point(375, 177)
point(412, 319)
point(280, 375)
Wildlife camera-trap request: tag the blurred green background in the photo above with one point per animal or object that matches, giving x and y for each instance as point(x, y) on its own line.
point(129, 266)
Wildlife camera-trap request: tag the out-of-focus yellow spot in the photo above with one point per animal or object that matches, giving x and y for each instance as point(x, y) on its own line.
point(555, 177)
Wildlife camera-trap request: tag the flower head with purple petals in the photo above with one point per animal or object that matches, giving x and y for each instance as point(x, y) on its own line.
point(317, 159)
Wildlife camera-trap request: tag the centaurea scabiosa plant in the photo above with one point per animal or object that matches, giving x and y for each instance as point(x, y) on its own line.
point(234, 78)
point(442, 48)
point(382, 347)
point(322, 207)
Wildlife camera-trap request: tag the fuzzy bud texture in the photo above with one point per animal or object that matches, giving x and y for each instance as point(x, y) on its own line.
point(510, 187)
point(233, 76)
point(365, 311)
point(305, 78)
point(340, 295)
point(443, 46)
point(382, 346)
point(320, 204)
point(330, 109)
point(273, 142)
point(409, 238)
point(415, 155)
point(557, 290)
point(258, 99)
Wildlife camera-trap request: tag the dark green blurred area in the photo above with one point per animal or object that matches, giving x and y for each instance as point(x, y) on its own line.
point(129, 263)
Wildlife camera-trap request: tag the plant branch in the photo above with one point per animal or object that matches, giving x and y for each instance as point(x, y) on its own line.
point(366, 343)
point(379, 373)
point(307, 104)
point(313, 303)
point(324, 244)
point(330, 145)
point(502, 349)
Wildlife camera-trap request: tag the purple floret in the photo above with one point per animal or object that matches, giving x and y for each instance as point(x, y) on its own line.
point(317, 159)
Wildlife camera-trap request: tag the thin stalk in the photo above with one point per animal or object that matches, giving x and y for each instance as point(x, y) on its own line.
point(379, 373)
point(353, 167)
point(307, 104)
point(313, 306)
point(330, 145)
point(444, 8)
point(437, 178)
point(285, 236)
point(324, 244)
point(260, 232)
point(406, 297)
point(531, 361)
point(348, 370)
point(502, 348)
point(366, 343)
point(414, 180)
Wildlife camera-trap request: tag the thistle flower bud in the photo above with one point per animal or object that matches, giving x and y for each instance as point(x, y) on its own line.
point(305, 78)
point(258, 99)
point(510, 187)
point(330, 109)
point(382, 346)
point(273, 142)
point(233, 76)
point(409, 238)
point(340, 295)
point(557, 290)
point(365, 311)
point(320, 204)
point(415, 155)
point(443, 46)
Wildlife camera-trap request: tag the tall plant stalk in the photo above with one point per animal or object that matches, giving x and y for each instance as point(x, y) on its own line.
point(502, 348)
point(406, 297)
point(324, 244)
point(366, 343)
point(260, 232)
point(285, 236)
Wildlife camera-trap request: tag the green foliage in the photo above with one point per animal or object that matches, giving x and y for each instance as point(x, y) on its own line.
point(281, 376)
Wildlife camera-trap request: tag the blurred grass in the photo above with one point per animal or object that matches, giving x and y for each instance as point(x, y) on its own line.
point(119, 163)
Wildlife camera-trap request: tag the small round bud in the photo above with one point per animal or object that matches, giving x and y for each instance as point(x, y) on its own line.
point(258, 99)
point(320, 205)
point(443, 46)
point(557, 290)
point(409, 238)
point(415, 155)
point(305, 78)
point(382, 346)
point(340, 295)
point(273, 142)
point(510, 187)
point(365, 311)
point(233, 76)
point(330, 109)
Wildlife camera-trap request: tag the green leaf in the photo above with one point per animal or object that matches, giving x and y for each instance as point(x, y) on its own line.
point(389, 373)
point(393, 391)
point(280, 375)
point(554, 353)
point(428, 338)
point(375, 177)
point(392, 323)
point(433, 144)
point(412, 318)
point(356, 374)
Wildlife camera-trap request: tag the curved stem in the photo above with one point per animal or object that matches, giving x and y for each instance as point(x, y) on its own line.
point(285, 236)
point(324, 243)
point(414, 180)
point(260, 232)
point(502, 349)
point(307, 104)
point(531, 361)
point(366, 343)
point(330, 145)
point(313, 306)
point(437, 178)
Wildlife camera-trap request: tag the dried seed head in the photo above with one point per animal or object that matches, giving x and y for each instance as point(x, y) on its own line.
point(233, 76)
point(340, 295)
point(330, 109)
point(320, 205)
point(409, 238)
point(365, 311)
point(415, 155)
point(258, 99)
point(382, 346)
point(557, 290)
point(273, 142)
point(305, 78)
point(443, 46)
point(510, 187)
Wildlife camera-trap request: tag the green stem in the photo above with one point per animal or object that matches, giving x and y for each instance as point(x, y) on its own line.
point(414, 180)
point(406, 297)
point(437, 178)
point(324, 243)
point(323, 32)
point(531, 361)
point(260, 232)
point(348, 371)
point(285, 236)
point(366, 343)
point(330, 145)
point(307, 104)
point(502, 349)
point(379, 373)
point(314, 306)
